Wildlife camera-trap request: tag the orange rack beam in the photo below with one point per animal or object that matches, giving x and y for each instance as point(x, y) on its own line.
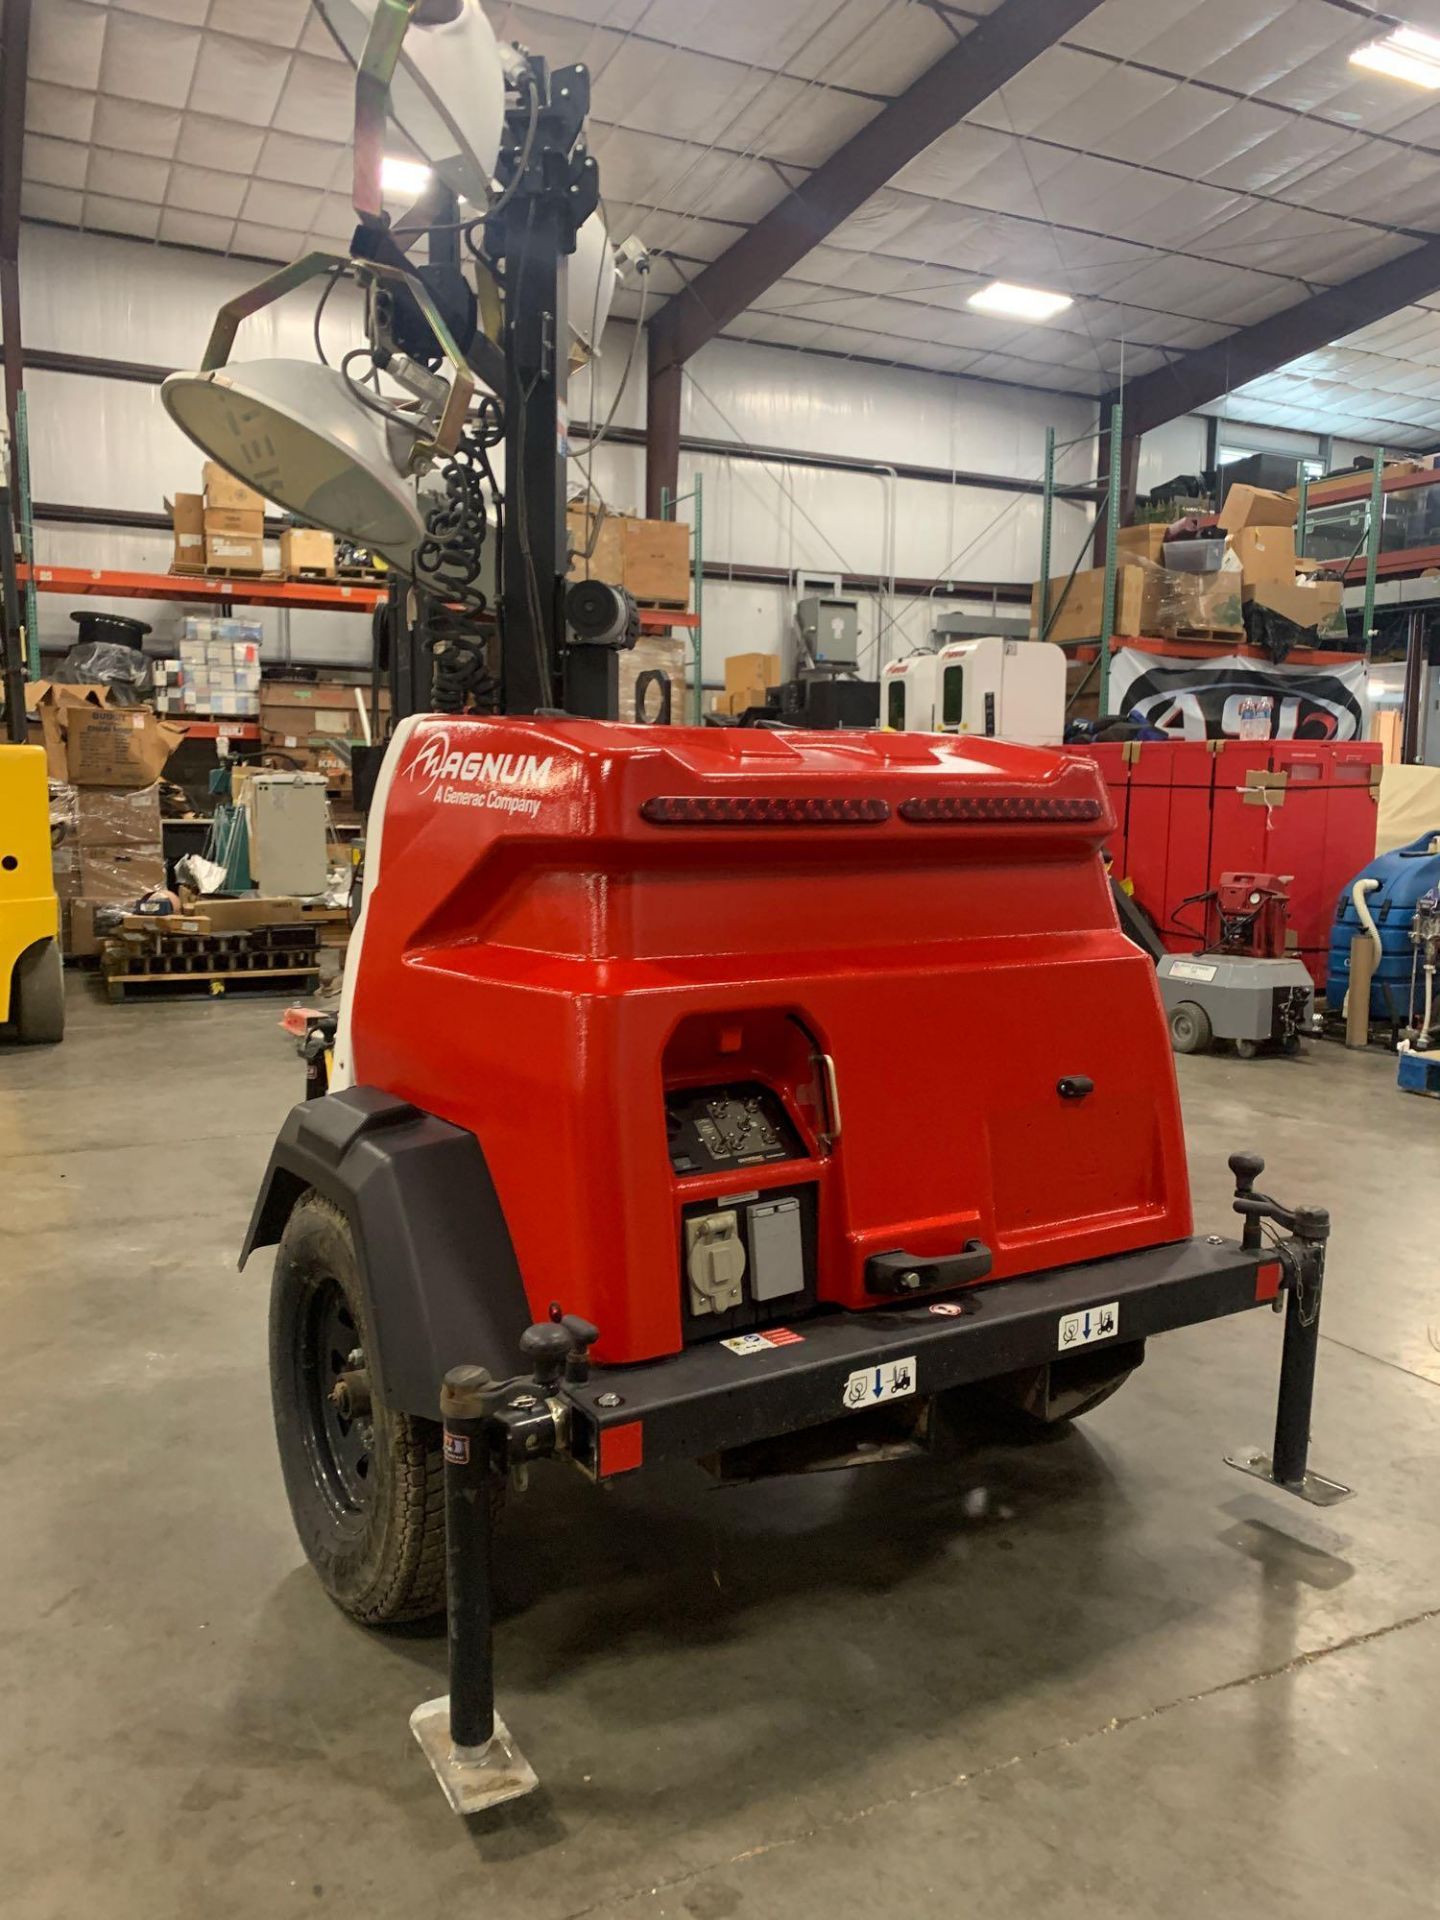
point(319, 596)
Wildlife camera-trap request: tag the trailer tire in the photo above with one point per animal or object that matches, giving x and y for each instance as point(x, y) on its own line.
point(367, 1494)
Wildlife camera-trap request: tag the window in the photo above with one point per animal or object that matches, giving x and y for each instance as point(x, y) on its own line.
point(895, 706)
point(952, 703)
point(1227, 456)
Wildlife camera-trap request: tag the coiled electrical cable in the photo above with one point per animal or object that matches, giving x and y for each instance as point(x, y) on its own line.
point(449, 563)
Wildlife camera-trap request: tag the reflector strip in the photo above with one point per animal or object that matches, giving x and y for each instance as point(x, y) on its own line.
point(1267, 1280)
point(761, 810)
point(622, 1448)
point(997, 806)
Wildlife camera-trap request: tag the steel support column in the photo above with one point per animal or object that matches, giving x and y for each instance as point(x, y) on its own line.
point(14, 69)
point(1128, 481)
point(662, 432)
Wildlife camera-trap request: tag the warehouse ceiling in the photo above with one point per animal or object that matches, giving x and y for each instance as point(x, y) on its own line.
point(1182, 171)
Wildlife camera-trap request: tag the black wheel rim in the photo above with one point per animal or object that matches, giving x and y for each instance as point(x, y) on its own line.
point(341, 1449)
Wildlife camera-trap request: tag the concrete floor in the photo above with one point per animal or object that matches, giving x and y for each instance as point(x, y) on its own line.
point(1104, 1677)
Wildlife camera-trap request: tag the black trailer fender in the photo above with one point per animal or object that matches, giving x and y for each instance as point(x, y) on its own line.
point(435, 1257)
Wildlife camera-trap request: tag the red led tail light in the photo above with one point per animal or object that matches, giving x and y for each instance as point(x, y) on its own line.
point(998, 807)
point(761, 810)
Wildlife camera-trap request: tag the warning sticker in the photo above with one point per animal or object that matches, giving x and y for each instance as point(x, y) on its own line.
point(947, 1309)
point(457, 1448)
point(891, 1380)
point(763, 1342)
point(1093, 1323)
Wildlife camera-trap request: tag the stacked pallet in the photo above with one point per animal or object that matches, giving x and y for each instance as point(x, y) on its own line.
point(152, 955)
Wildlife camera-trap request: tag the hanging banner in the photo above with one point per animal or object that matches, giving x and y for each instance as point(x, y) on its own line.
point(1236, 699)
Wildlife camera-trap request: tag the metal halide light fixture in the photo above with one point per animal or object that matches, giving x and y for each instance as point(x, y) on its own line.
point(590, 280)
point(314, 439)
point(435, 69)
point(1405, 54)
point(410, 177)
point(1019, 303)
point(296, 432)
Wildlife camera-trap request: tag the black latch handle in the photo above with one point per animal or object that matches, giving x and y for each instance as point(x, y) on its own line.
point(902, 1272)
point(1074, 1086)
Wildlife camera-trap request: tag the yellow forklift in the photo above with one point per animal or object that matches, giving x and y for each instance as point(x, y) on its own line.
point(32, 978)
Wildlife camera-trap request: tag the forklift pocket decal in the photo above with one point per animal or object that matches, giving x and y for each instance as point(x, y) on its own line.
point(1093, 1323)
point(892, 1380)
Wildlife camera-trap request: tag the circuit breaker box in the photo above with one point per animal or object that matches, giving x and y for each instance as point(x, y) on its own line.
point(829, 632)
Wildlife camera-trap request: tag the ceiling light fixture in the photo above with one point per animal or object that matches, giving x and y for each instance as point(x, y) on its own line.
point(1020, 303)
point(1405, 54)
point(404, 176)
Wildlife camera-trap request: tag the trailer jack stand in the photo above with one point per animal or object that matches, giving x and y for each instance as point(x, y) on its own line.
point(1303, 1259)
point(476, 1762)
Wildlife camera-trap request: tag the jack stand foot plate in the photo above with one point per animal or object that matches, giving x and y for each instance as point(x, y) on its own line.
point(1315, 1488)
point(474, 1778)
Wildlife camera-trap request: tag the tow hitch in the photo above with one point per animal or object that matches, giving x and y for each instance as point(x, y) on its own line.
point(695, 1404)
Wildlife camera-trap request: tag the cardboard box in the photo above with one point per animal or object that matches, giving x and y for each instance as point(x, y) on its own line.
point(1314, 606)
point(309, 550)
point(1264, 553)
point(49, 705)
point(237, 916)
point(118, 816)
point(114, 876)
point(187, 521)
point(118, 746)
point(1141, 543)
point(232, 553)
point(78, 935)
point(317, 693)
point(657, 561)
point(597, 544)
point(1256, 507)
point(245, 523)
point(223, 490)
point(649, 558)
point(745, 670)
point(1079, 617)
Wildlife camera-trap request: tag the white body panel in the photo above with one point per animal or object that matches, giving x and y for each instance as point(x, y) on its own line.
point(907, 694)
point(1009, 689)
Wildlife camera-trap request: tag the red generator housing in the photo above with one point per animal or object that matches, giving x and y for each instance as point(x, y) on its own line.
point(1188, 811)
point(857, 1003)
